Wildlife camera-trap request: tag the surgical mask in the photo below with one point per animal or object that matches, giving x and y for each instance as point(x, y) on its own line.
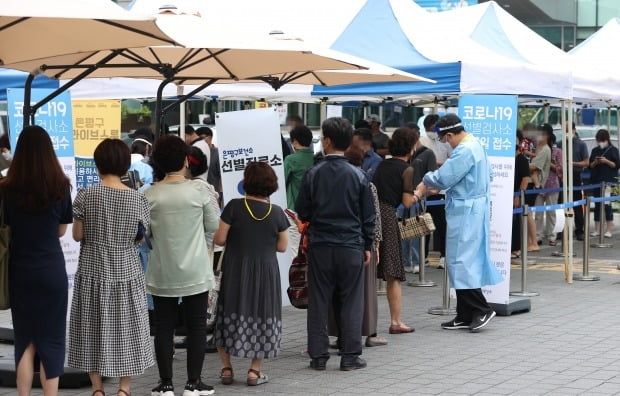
point(602, 145)
point(7, 155)
point(432, 135)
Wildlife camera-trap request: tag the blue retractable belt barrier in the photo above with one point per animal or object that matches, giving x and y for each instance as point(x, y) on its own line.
point(605, 199)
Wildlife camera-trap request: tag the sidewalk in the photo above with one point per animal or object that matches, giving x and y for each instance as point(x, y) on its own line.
point(568, 344)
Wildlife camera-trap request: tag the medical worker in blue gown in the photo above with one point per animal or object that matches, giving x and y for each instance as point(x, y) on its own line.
point(466, 177)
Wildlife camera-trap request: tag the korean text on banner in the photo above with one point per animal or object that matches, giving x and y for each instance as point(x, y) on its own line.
point(493, 120)
point(249, 136)
point(93, 122)
point(55, 118)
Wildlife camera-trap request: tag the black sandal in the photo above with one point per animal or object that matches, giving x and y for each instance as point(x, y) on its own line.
point(227, 379)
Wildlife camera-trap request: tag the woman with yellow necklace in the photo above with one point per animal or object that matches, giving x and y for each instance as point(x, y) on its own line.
point(249, 318)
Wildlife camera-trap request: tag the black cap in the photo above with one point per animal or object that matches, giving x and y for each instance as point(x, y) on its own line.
point(143, 133)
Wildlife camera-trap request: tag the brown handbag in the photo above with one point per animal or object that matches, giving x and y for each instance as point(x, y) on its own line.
point(417, 226)
point(298, 278)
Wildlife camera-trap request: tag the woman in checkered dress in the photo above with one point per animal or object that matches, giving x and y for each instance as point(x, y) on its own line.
point(109, 326)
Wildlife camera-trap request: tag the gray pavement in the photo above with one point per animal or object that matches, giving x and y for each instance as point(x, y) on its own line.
point(567, 345)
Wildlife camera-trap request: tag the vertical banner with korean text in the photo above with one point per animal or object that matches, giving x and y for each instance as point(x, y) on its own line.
point(245, 137)
point(93, 122)
point(55, 118)
point(493, 120)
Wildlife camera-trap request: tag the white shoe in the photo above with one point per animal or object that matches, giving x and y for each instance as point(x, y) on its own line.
point(442, 263)
point(409, 270)
point(416, 269)
point(608, 234)
point(594, 234)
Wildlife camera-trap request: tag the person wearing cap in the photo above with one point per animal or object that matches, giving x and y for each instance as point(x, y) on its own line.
point(466, 177)
point(193, 139)
point(379, 139)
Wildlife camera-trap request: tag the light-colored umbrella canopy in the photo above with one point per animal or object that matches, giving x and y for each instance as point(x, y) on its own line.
point(36, 29)
point(212, 55)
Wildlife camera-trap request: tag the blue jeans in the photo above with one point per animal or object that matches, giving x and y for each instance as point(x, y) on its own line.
point(143, 253)
point(411, 252)
point(411, 247)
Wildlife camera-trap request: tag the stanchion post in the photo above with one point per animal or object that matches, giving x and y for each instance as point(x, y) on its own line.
point(601, 241)
point(585, 276)
point(421, 282)
point(445, 308)
point(523, 292)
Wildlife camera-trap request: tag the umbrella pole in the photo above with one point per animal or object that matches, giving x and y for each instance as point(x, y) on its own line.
point(158, 107)
point(28, 113)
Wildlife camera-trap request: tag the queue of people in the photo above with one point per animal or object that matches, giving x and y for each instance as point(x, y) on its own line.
point(353, 241)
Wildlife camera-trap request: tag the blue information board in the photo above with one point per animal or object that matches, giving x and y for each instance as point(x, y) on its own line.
point(55, 117)
point(493, 120)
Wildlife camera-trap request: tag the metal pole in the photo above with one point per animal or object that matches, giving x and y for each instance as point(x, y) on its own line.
point(601, 241)
point(524, 292)
point(445, 308)
point(585, 276)
point(422, 282)
point(569, 267)
point(182, 113)
point(609, 119)
point(28, 113)
point(159, 124)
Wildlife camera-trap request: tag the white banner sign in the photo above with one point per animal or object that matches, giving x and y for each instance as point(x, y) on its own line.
point(493, 120)
point(247, 136)
point(334, 111)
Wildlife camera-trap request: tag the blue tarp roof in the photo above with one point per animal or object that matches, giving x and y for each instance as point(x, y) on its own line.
point(375, 34)
point(16, 79)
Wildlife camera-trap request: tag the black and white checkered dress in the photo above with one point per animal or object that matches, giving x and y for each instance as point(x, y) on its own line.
point(109, 326)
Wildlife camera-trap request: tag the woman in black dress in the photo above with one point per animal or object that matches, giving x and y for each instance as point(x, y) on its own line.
point(394, 181)
point(249, 316)
point(37, 205)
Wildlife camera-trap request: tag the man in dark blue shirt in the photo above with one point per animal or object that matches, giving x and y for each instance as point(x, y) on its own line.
point(581, 160)
point(362, 138)
point(335, 197)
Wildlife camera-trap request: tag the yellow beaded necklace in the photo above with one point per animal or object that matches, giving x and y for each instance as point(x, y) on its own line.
point(245, 199)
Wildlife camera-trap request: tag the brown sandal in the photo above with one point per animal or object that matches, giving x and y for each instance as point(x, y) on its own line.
point(123, 392)
point(98, 391)
point(227, 379)
point(259, 380)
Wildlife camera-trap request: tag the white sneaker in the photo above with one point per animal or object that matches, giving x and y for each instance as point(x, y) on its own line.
point(416, 269)
point(594, 234)
point(608, 234)
point(409, 270)
point(442, 263)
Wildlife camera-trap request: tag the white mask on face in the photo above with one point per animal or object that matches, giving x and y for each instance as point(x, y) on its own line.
point(602, 145)
point(7, 155)
point(432, 135)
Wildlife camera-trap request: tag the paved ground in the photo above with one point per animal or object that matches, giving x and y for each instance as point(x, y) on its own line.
point(568, 344)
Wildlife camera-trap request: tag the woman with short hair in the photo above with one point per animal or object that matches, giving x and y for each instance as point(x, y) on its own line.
point(37, 208)
point(394, 181)
point(109, 333)
point(180, 266)
point(249, 319)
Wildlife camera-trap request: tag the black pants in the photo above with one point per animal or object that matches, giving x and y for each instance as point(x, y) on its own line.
point(337, 269)
point(470, 303)
point(166, 313)
point(438, 213)
point(577, 196)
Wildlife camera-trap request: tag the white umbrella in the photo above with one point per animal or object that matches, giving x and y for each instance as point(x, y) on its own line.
point(35, 29)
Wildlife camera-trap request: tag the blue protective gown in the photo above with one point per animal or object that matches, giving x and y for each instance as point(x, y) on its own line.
point(466, 177)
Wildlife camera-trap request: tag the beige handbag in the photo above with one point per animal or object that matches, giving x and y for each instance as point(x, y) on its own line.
point(416, 226)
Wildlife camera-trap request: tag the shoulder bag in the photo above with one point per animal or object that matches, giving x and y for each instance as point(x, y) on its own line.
point(416, 226)
point(298, 278)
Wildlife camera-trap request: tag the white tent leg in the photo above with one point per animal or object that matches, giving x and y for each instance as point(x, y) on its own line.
point(565, 187)
point(570, 189)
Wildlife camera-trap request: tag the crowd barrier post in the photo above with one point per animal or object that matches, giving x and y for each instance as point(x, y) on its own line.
point(421, 282)
point(524, 241)
point(601, 237)
point(585, 275)
point(523, 292)
point(445, 308)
